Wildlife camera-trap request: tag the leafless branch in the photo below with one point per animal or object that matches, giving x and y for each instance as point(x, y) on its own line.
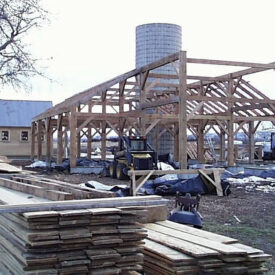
point(18, 17)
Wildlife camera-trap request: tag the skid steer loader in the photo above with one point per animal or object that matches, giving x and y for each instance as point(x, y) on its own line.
point(133, 153)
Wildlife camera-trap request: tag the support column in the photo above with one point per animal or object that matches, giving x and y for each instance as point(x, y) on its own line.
point(156, 138)
point(73, 126)
point(39, 140)
point(251, 141)
point(89, 137)
point(66, 141)
point(103, 130)
point(103, 140)
point(200, 142)
point(182, 110)
point(222, 146)
point(176, 143)
point(78, 144)
point(230, 142)
point(59, 140)
point(78, 138)
point(142, 99)
point(33, 141)
point(48, 139)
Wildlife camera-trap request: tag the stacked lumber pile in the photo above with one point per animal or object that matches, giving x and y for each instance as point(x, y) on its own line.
point(51, 189)
point(172, 248)
point(84, 241)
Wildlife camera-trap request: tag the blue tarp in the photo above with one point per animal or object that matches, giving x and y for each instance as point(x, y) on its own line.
point(164, 187)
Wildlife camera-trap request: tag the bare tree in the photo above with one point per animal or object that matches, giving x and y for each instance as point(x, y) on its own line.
point(17, 19)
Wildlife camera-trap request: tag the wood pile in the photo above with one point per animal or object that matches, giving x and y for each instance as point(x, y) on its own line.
point(173, 248)
point(51, 189)
point(6, 167)
point(83, 241)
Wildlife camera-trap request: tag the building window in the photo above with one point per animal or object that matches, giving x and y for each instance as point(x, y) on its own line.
point(24, 136)
point(5, 136)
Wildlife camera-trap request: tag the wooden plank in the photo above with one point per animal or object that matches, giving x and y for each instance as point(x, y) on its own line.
point(35, 190)
point(7, 168)
point(176, 172)
point(198, 232)
point(81, 204)
point(213, 245)
point(77, 194)
point(167, 252)
point(183, 246)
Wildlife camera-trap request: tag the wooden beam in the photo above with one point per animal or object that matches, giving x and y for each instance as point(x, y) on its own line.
point(182, 111)
point(33, 128)
point(152, 125)
point(222, 145)
point(251, 142)
point(73, 149)
point(230, 143)
point(39, 140)
point(230, 63)
point(59, 140)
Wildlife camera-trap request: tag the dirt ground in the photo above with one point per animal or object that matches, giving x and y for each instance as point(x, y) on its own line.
point(246, 216)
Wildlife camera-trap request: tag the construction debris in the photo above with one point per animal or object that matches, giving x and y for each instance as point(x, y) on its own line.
point(172, 248)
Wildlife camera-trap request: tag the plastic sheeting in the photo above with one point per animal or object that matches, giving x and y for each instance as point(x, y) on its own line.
point(166, 186)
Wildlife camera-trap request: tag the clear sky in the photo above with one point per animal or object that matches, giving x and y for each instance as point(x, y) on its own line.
point(89, 41)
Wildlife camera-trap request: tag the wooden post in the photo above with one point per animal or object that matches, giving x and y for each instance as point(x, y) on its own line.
point(78, 144)
point(200, 142)
point(222, 145)
point(201, 127)
point(182, 110)
point(48, 129)
point(78, 139)
point(236, 151)
point(39, 140)
point(103, 130)
point(89, 138)
point(59, 140)
point(156, 138)
point(251, 141)
point(176, 142)
point(103, 140)
point(230, 142)
point(73, 126)
point(33, 140)
point(66, 143)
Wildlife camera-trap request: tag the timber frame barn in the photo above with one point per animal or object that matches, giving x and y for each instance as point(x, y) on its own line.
point(226, 104)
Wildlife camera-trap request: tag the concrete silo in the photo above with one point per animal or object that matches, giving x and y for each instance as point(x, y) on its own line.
point(153, 42)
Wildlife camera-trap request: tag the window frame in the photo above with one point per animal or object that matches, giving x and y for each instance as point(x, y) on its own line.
point(28, 136)
point(1, 137)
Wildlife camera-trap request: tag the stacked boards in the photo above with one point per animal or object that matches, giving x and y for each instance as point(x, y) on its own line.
point(83, 241)
point(172, 248)
point(51, 189)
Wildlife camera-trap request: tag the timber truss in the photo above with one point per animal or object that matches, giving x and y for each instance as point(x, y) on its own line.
point(141, 100)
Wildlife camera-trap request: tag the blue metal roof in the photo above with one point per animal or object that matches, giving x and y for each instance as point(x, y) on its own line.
point(19, 113)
